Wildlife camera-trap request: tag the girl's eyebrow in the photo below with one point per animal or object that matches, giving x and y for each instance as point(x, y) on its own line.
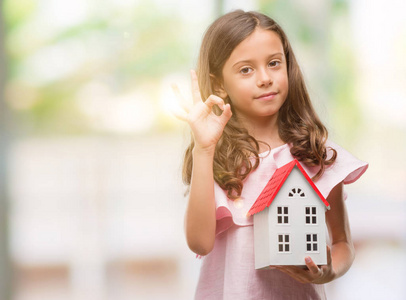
point(249, 61)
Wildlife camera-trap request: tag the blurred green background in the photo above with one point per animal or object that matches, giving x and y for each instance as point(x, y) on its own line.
point(91, 197)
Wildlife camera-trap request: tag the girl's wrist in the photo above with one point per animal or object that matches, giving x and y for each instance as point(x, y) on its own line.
point(206, 151)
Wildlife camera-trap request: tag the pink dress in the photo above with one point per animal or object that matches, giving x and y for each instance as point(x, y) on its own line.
point(228, 271)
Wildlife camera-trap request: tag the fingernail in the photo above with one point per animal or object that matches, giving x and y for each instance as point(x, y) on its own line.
point(308, 259)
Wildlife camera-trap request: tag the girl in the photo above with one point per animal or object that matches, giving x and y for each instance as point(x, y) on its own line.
point(251, 115)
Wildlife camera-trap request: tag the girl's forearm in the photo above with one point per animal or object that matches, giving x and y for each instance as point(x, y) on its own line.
point(342, 249)
point(200, 219)
point(342, 254)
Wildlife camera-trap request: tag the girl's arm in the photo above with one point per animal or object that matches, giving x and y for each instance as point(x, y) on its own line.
point(342, 249)
point(207, 128)
point(341, 255)
point(200, 218)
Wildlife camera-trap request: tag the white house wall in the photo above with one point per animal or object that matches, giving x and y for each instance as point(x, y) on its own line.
point(297, 227)
point(261, 238)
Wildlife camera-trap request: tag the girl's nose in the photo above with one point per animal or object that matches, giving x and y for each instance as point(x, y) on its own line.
point(264, 78)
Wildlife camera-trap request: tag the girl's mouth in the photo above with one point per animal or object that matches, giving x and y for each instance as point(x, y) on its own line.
point(267, 96)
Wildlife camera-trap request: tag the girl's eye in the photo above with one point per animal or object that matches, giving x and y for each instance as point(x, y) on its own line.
point(274, 63)
point(246, 70)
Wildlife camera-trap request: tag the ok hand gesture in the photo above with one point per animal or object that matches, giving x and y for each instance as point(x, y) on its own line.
point(206, 126)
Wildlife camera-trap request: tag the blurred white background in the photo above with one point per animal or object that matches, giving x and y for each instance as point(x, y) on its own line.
point(93, 154)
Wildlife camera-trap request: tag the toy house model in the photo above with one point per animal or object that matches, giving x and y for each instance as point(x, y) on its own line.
point(289, 220)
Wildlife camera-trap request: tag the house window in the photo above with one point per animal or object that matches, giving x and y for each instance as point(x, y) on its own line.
point(283, 243)
point(311, 243)
point(311, 215)
point(283, 215)
point(296, 192)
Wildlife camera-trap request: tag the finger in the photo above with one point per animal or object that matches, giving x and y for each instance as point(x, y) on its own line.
point(181, 115)
point(181, 99)
point(313, 268)
point(195, 87)
point(226, 115)
point(213, 100)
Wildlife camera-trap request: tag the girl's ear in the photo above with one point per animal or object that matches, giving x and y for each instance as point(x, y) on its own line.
point(218, 87)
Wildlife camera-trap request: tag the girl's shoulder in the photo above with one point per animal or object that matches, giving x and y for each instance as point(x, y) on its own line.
point(347, 168)
point(346, 164)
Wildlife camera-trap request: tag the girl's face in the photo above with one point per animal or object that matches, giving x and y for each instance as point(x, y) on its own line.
point(255, 76)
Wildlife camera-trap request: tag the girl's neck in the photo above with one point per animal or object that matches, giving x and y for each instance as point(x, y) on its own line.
point(264, 130)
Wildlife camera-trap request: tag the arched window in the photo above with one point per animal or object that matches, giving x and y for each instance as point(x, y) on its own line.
point(296, 192)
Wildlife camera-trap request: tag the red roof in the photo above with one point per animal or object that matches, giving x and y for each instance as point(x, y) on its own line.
point(275, 183)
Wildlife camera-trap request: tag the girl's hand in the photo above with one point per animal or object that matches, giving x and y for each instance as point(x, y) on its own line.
point(206, 126)
point(314, 274)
